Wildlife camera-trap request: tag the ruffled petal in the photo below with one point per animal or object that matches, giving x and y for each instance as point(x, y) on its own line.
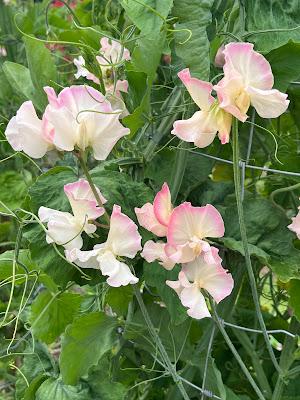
point(295, 225)
point(200, 129)
point(84, 259)
point(194, 300)
point(268, 103)
point(200, 91)
point(83, 71)
point(162, 205)
point(123, 237)
point(188, 223)
point(148, 220)
point(254, 69)
point(83, 201)
point(157, 251)
point(118, 273)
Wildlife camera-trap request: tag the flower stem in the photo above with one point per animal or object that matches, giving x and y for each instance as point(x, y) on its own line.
point(160, 346)
point(237, 185)
point(81, 158)
point(234, 351)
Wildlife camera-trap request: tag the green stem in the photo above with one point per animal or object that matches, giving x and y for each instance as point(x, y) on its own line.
point(237, 185)
point(250, 350)
point(286, 360)
point(234, 352)
point(178, 171)
point(81, 158)
point(282, 190)
point(159, 344)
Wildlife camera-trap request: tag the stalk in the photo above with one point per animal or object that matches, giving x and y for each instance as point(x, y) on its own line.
point(160, 346)
point(81, 158)
point(234, 352)
point(238, 192)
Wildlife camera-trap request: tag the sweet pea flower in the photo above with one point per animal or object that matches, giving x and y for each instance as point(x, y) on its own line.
point(220, 58)
point(203, 126)
point(187, 230)
point(26, 132)
point(248, 79)
point(65, 228)
point(157, 251)
point(111, 53)
point(81, 117)
point(82, 71)
point(123, 241)
point(198, 275)
point(295, 225)
point(155, 217)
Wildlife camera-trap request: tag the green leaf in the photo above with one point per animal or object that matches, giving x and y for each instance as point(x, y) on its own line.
point(30, 392)
point(274, 15)
point(19, 78)
point(85, 342)
point(147, 15)
point(155, 275)
point(51, 313)
point(55, 389)
point(41, 66)
point(119, 298)
point(193, 16)
point(285, 63)
point(13, 190)
point(6, 264)
point(294, 293)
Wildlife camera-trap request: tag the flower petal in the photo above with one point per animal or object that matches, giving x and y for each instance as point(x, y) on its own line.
point(83, 71)
point(123, 237)
point(84, 259)
point(268, 103)
point(25, 132)
point(295, 225)
point(193, 299)
point(156, 251)
point(162, 205)
point(254, 69)
point(118, 272)
point(200, 129)
point(148, 220)
point(188, 222)
point(200, 91)
point(83, 201)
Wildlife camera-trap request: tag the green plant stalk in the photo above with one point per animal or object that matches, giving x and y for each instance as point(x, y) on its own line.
point(286, 360)
point(81, 158)
point(178, 171)
point(160, 346)
point(250, 350)
point(237, 186)
point(234, 351)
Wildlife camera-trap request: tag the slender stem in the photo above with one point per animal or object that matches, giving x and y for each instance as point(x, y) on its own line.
point(81, 159)
point(160, 346)
point(286, 360)
point(211, 339)
point(260, 373)
point(237, 185)
point(234, 352)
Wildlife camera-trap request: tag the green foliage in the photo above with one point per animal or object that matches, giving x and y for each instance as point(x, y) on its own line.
point(13, 190)
point(85, 341)
point(51, 313)
point(55, 389)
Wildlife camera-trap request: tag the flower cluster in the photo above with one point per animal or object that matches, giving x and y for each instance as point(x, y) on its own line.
point(248, 80)
point(186, 229)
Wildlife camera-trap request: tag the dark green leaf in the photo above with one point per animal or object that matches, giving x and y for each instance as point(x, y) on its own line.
point(85, 342)
point(13, 190)
point(51, 313)
point(55, 389)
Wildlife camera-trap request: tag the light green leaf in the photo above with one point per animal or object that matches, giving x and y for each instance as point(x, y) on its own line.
point(193, 16)
point(294, 293)
point(50, 314)
point(55, 389)
point(274, 15)
point(41, 66)
point(85, 342)
point(13, 190)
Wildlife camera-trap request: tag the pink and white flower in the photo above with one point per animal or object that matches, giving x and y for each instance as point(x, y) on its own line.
point(81, 117)
point(248, 79)
point(64, 228)
point(220, 58)
point(123, 241)
point(82, 71)
point(155, 217)
point(111, 52)
point(295, 225)
point(187, 230)
point(201, 275)
point(26, 132)
point(157, 251)
point(203, 126)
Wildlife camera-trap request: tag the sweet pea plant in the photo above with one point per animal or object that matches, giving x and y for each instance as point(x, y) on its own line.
point(140, 257)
